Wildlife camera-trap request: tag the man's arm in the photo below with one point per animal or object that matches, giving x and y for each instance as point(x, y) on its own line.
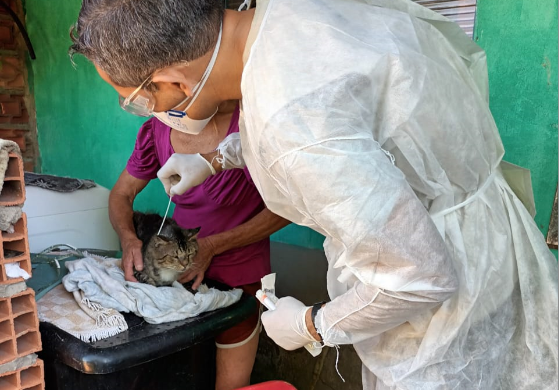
point(257, 228)
point(388, 251)
point(121, 201)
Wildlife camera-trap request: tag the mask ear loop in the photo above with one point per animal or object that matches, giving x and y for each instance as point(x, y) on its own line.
point(198, 88)
point(180, 104)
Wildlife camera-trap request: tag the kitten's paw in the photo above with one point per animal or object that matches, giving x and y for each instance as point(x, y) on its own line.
point(143, 278)
point(188, 286)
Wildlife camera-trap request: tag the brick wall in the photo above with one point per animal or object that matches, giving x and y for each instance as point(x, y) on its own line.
point(17, 112)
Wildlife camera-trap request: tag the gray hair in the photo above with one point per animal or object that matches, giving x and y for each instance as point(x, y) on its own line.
point(131, 39)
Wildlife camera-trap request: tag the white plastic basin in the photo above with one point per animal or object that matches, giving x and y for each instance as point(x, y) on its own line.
point(79, 218)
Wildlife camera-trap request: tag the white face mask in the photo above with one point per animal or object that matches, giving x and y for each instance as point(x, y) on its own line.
point(180, 120)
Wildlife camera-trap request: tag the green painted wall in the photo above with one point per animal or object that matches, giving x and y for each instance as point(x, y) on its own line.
point(520, 39)
point(83, 133)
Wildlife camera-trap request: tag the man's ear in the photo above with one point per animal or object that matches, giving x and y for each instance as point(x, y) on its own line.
point(176, 77)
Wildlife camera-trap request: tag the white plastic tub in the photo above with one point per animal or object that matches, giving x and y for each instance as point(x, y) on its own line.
point(79, 218)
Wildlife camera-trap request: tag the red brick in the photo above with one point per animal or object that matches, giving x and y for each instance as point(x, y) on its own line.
point(13, 194)
point(14, 168)
point(12, 108)
point(18, 99)
point(25, 378)
point(23, 302)
point(17, 239)
point(6, 34)
point(4, 97)
point(11, 75)
point(11, 67)
point(8, 72)
point(13, 60)
point(11, 4)
point(21, 119)
point(10, 132)
point(33, 377)
point(29, 166)
point(20, 141)
point(7, 347)
point(20, 312)
point(17, 83)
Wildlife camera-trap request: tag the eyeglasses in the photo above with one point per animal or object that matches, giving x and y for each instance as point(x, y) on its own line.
point(137, 104)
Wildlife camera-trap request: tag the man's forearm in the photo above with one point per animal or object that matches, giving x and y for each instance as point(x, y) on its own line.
point(366, 311)
point(257, 228)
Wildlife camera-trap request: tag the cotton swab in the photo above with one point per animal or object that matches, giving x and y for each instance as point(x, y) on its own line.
point(165, 217)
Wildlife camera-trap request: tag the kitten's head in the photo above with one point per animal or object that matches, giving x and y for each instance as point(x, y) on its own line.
point(174, 248)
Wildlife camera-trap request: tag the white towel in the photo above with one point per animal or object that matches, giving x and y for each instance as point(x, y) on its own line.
point(102, 281)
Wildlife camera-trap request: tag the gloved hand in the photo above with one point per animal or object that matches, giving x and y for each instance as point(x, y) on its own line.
point(286, 325)
point(230, 152)
point(184, 171)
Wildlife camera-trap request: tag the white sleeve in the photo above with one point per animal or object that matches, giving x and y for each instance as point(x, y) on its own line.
point(378, 233)
point(366, 311)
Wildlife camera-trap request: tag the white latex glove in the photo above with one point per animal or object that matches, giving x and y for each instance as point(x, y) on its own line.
point(231, 152)
point(184, 171)
point(286, 325)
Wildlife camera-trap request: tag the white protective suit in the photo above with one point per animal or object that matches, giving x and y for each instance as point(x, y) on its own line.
point(328, 87)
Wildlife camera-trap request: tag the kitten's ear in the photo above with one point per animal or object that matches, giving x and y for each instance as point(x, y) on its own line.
point(192, 234)
point(160, 240)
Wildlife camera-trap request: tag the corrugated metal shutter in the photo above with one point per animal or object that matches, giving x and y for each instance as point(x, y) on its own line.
point(462, 12)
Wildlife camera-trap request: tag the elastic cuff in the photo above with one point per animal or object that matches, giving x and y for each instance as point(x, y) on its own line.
point(306, 333)
point(319, 325)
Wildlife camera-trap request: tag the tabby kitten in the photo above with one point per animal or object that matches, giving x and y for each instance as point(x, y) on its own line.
point(165, 255)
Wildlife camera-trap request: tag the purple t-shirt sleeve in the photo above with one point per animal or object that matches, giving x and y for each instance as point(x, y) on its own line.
point(144, 163)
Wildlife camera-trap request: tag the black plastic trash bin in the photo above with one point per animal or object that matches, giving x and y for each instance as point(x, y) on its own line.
point(175, 355)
